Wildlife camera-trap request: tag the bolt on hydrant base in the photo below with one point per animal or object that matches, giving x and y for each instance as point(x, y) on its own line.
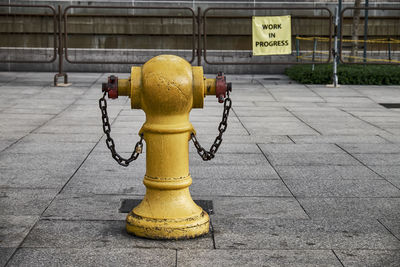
point(166, 88)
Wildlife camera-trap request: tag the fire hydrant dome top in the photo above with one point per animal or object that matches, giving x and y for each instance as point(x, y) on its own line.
point(167, 85)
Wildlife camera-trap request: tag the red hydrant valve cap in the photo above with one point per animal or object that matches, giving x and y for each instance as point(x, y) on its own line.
point(221, 87)
point(111, 87)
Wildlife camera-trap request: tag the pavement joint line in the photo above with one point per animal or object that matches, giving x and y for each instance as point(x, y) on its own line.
point(300, 119)
point(233, 110)
point(176, 257)
point(212, 234)
point(311, 89)
point(367, 122)
point(398, 238)
point(268, 91)
point(387, 140)
point(291, 139)
point(309, 217)
point(22, 241)
point(334, 253)
point(365, 165)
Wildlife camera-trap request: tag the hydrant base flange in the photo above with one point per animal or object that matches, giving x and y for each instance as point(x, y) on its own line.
point(168, 228)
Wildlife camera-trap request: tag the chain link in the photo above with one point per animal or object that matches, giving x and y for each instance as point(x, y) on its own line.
point(110, 142)
point(209, 155)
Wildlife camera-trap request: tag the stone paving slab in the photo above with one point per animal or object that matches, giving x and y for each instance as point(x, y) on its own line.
point(45, 178)
point(311, 159)
point(109, 183)
point(371, 148)
point(334, 172)
point(14, 229)
point(226, 257)
point(261, 207)
point(5, 255)
point(54, 161)
point(379, 159)
point(232, 233)
point(51, 137)
point(222, 187)
point(18, 201)
point(392, 225)
point(99, 234)
point(49, 147)
point(342, 188)
point(351, 207)
point(341, 139)
point(94, 257)
point(369, 258)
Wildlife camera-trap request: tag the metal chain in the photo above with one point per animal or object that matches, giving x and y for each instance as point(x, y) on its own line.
point(110, 142)
point(209, 155)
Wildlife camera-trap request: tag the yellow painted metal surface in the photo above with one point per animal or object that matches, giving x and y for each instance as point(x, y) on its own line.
point(167, 87)
point(124, 87)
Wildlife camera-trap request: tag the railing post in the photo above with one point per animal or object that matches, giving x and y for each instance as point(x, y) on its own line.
point(199, 21)
point(335, 49)
point(313, 54)
point(389, 49)
point(297, 48)
point(365, 31)
point(60, 52)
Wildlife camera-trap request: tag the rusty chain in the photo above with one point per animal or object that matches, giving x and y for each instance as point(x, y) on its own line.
point(110, 142)
point(209, 155)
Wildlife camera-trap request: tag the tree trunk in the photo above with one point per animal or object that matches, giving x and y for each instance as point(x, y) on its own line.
point(354, 31)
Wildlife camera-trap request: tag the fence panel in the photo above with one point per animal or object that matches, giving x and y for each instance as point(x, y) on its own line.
point(28, 33)
point(230, 36)
point(123, 34)
point(370, 35)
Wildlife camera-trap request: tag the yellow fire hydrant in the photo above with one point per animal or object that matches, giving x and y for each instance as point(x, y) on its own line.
point(166, 88)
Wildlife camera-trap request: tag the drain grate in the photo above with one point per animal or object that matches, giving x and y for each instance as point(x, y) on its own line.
point(390, 105)
point(128, 204)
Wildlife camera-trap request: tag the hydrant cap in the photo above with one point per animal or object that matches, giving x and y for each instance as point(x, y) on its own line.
point(167, 85)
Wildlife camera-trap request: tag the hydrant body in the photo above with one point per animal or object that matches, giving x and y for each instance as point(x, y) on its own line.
point(167, 88)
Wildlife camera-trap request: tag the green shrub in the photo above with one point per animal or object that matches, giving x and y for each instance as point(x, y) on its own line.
point(347, 74)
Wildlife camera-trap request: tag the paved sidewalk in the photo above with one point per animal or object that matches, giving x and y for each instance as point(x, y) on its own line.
point(306, 176)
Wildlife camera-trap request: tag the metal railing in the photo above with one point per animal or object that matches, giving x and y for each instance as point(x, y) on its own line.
point(380, 41)
point(11, 13)
point(293, 9)
point(106, 8)
point(198, 36)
